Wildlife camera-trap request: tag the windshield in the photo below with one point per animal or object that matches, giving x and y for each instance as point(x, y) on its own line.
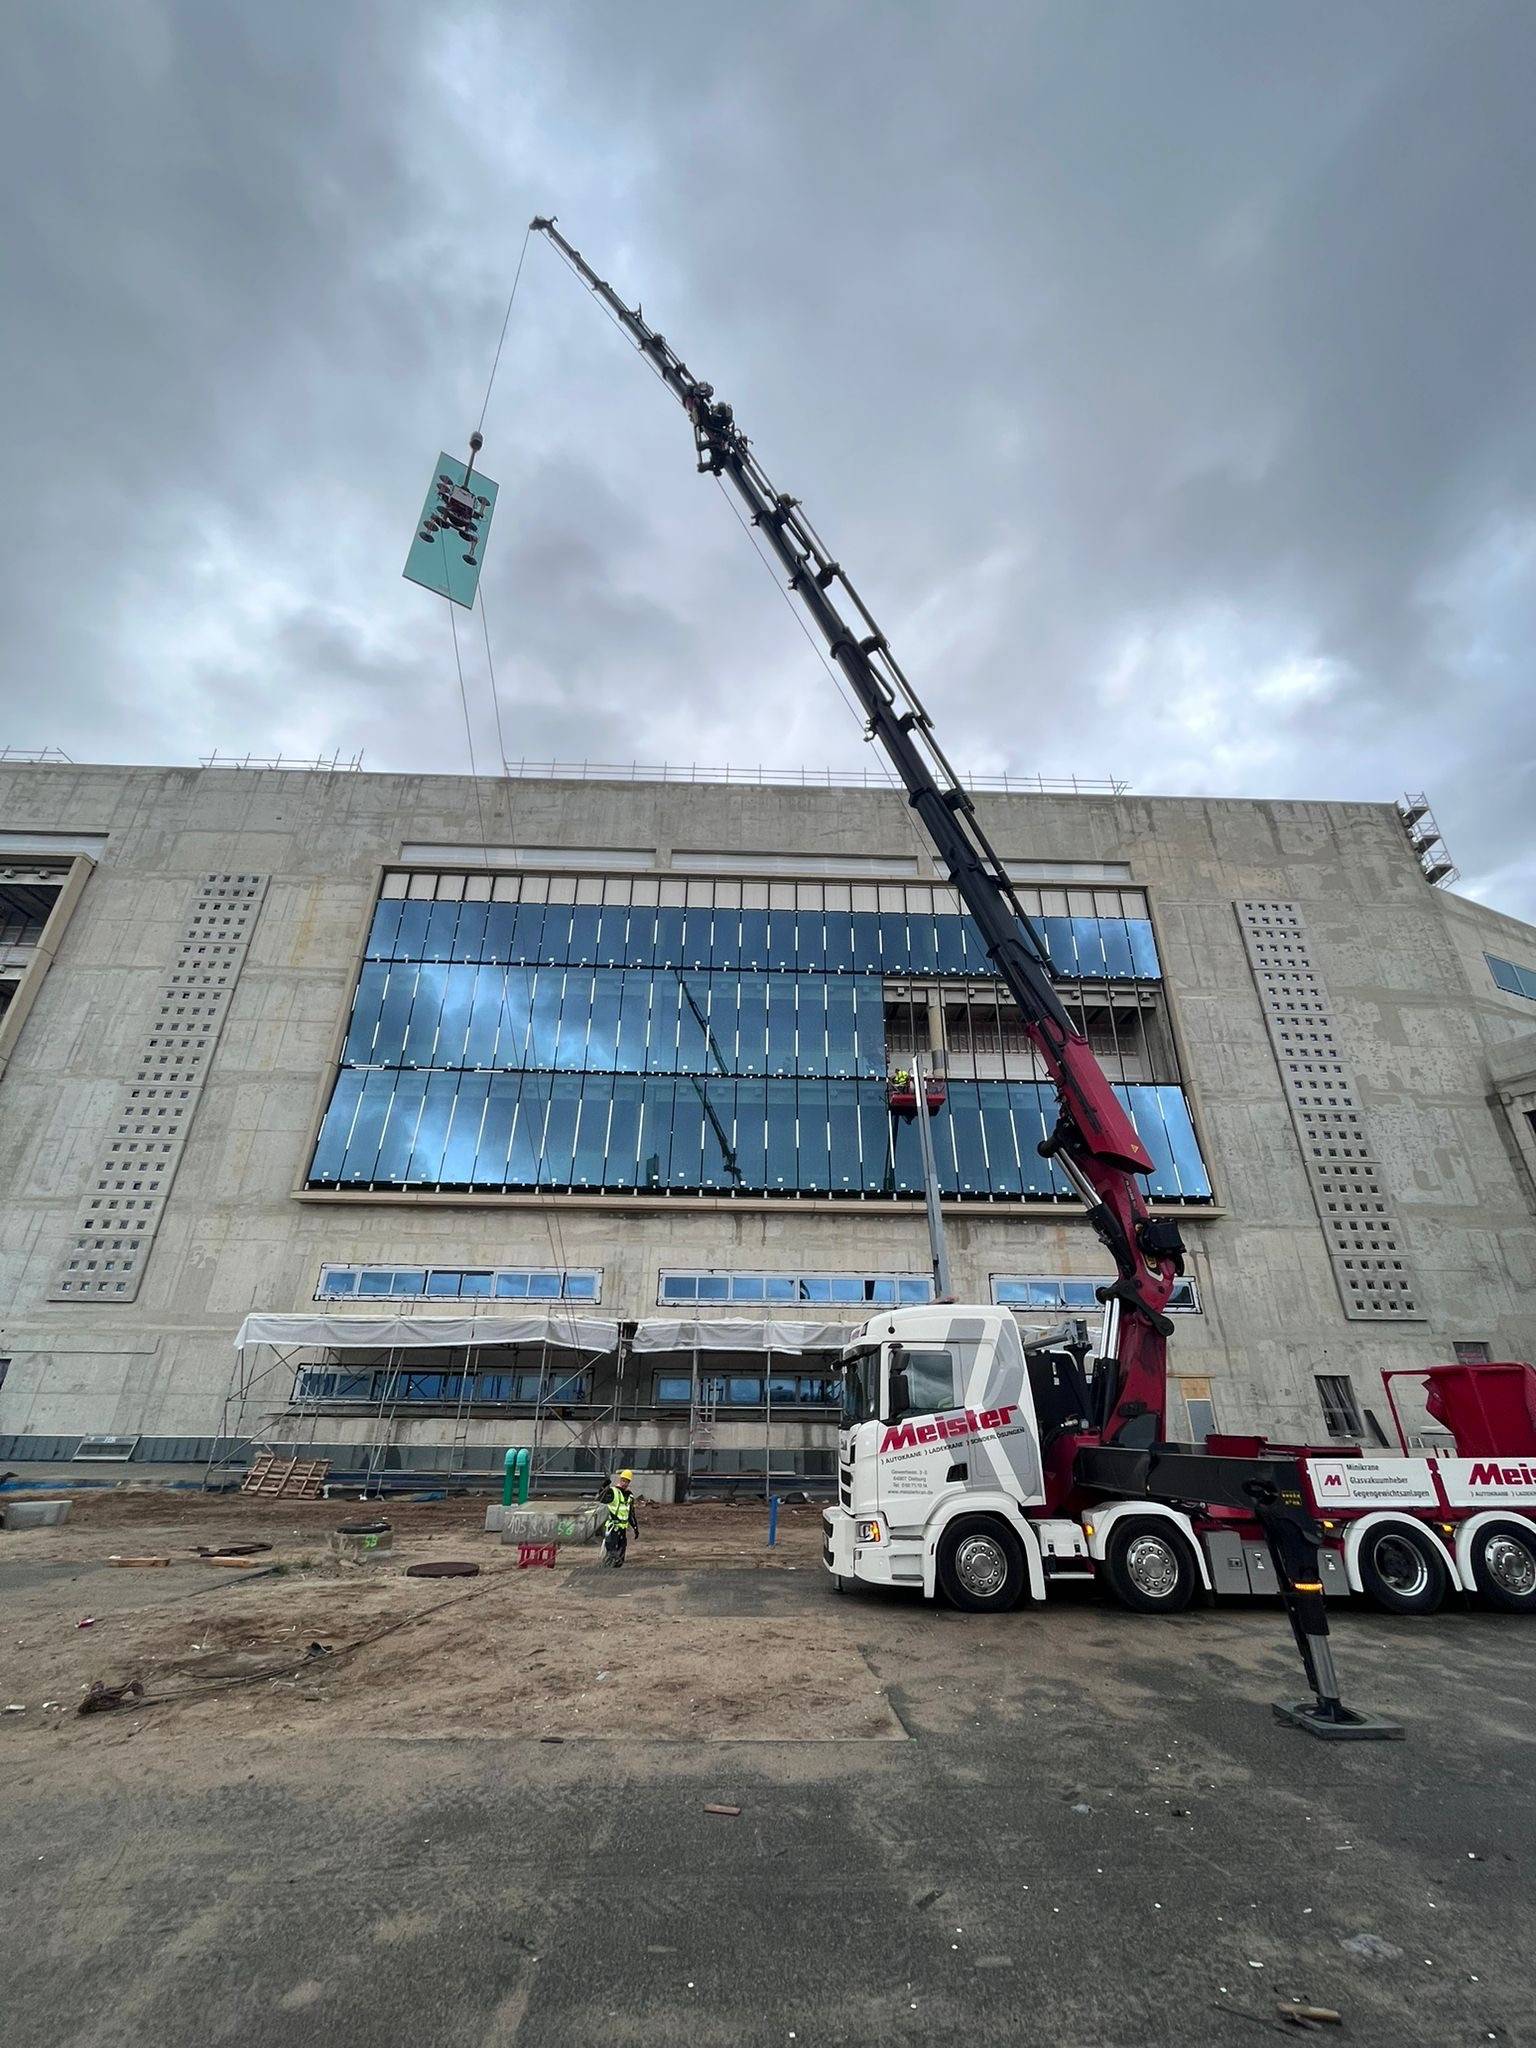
point(861, 1386)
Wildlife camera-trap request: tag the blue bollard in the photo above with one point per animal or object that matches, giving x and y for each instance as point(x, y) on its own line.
point(773, 1521)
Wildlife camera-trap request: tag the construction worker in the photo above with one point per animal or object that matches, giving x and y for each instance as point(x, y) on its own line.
point(622, 1522)
point(901, 1080)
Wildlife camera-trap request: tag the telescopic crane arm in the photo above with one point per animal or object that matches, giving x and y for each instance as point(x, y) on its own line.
point(1093, 1142)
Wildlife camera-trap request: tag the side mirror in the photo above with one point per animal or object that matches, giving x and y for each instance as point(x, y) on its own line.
point(900, 1400)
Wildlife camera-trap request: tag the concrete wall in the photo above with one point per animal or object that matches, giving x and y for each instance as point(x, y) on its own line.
point(1418, 1018)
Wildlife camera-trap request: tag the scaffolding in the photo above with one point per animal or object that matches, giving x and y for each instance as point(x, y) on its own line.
point(268, 1347)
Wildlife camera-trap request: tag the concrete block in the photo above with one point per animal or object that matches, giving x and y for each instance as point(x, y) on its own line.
point(35, 1514)
point(552, 1522)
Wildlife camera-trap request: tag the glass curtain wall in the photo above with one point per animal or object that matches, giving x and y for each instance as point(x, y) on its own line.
point(637, 1035)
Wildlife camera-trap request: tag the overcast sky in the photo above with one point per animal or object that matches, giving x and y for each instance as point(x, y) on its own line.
point(1164, 374)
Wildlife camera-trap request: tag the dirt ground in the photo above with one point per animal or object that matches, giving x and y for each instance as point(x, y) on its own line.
point(298, 1637)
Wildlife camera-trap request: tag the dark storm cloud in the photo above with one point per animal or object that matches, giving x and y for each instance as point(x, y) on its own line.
point(1164, 373)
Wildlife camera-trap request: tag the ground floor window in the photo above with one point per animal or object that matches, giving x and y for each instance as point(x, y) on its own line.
point(745, 1390)
point(458, 1283)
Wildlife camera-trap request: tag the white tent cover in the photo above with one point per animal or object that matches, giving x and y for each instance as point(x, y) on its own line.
point(420, 1333)
point(732, 1333)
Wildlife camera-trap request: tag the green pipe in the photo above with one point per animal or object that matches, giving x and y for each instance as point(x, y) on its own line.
point(516, 1468)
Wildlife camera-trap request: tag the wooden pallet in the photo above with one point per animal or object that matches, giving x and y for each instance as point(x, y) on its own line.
point(297, 1478)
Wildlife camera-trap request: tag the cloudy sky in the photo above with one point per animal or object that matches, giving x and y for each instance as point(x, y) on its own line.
point(1165, 375)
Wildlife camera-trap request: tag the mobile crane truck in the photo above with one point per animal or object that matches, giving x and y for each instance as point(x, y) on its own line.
point(970, 1466)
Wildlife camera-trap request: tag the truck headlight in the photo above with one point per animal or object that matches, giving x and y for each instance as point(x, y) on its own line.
point(869, 1532)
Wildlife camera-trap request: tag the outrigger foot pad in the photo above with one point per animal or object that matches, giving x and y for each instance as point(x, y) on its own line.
point(1330, 1722)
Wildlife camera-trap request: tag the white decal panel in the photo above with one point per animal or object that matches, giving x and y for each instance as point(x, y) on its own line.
point(1371, 1483)
point(1481, 1482)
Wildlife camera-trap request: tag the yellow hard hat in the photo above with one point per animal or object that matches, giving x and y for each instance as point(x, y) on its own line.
point(626, 1475)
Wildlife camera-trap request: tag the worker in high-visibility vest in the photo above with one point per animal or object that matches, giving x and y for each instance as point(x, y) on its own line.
point(622, 1521)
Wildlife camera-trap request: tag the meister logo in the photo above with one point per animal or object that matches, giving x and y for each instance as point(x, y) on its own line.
point(908, 1435)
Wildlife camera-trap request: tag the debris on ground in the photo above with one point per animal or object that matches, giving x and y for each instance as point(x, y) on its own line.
point(1371, 1945)
point(728, 1812)
point(101, 1698)
point(139, 1563)
point(1309, 2015)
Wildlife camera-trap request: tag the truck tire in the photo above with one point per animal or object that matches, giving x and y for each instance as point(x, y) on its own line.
point(981, 1565)
point(1401, 1572)
point(1149, 1565)
point(1504, 1565)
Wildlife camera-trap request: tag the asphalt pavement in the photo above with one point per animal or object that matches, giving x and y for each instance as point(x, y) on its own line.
point(1080, 1828)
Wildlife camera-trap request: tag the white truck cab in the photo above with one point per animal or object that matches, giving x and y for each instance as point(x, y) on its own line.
point(941, 1482)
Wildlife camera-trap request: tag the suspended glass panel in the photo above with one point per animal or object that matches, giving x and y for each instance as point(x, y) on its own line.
point(754, 939)
point(952, 952)
point(469, 932)
point(411, 939)
point(362, 1153)
point(837, 937)
point(464, 1130)
point(621, 1156)
point(398, 1138)
point(557, 1164)
point(1143, 949)
point(528, 1131)
point(453, 1023)
point(366, 1004)
point(496, 1132)
point(335, 1128)
point(866, 942)
point(500, 924)
point(384, 929)
point(750, 1133)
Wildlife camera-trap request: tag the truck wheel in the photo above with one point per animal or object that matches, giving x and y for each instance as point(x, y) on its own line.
point(1504, 1565)
point(1400, 1570)
point(1149, 1566)
point(981, 1566)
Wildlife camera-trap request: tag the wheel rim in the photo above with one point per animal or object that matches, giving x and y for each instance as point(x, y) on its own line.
point(981, 1566)
point(1402, 1566)
point(1511, 1565)
point(1152, 1566)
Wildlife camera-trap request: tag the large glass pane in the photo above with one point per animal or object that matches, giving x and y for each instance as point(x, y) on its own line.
point(367, 1001)
point(476, 1286)
point(655, 1133)
point(754, 939)
point(669, 937)
point(496, 1132)
point(781, 939)
point(722, 1168)
point(384, 928)
point(842, 1025)
point(810, 1024)
point(469, 932)
point(846, 1160)
point(443, 1284)
point(752, 1024)
point(895, 952)
point(1119, 961)
point(398, 1137)
point(368, 1128)
point(512, 1286)
point(749, 1136)
point(666, 1006)
point(488, 992)
point(685, 1166)
point(1057, 934)
point(1506, 974)
point(528, 1131)
point(875, 1139)
point(869, 1020)
point(603, 1029)
point(544, 1022)
point(411, 939)
point(837, 935)
point(640, 937)
point(810, 941)
point(951, 944)
point(976, 960)
point(866, 941)
point(453, 1024)
point(907, 1154)
point(592, 1132)
point(426, 1014)
point(584, 918)
point(1003, 1170)
point(395, 1014)
point(612, 935)
point(424, 1168)
point(621, 1157)
point(697, 937)
point(1030, 1111)
point(781, 1024)
point(555, 934)
point(528, 934)
point(335, 1128)
point(814, 1165)
point(442, 922)
point(782, 1166)
point(922, 942)
point(634, 1019)
point(1089, 941)
point(500, 923)
point(575, 1019)
point(580, 1287)
point(557, 1164)
point(464, 1130)
point(725, 940)
point(963, 1112)
point(693, 1055)
point(723, 1023)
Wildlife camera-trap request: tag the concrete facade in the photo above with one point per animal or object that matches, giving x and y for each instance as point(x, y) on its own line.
point(1443, 1064)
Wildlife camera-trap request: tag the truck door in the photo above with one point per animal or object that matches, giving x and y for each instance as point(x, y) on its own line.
point(919, 1463)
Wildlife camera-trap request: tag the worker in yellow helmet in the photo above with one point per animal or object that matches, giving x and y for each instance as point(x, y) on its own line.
point(622, 1521)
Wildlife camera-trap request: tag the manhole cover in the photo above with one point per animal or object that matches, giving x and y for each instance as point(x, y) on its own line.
point(443, 1568)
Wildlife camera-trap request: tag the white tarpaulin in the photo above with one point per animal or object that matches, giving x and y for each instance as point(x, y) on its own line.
point(420, 1333)
point(733, 1333)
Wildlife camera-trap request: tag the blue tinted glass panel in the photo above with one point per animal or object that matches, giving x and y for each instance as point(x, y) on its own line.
point(583, 944)
point(612, 935)
point(588, 1154)
point(335, 1127)
point(866, 941)
point(1505, 973)
point(685, 1162)
point(953, 957)
point(603, 1024)
point(442, 922)
point(976, 961)
point(462, 1148)
point(922, 942)
point(894, 955)
point(692, 1054)
point(394, 1014)
point(366, 1003)
point(963, 1114)
point(698, 937)
point(749, 1133)
point(752, 1024)
point(399, 1134)
point(841, 1026)
point(814, 1164)
point(725, 940)
point(557, 1162)
point(743, 1392)
point(469, 932)
point(673, 1390)
point(430, 1136)
point(722, 1167)
point(1090, 947)
point(496, 1132)
point(500, 923)
point(384, 929)
point(487, 998)
point(527, 1146)
point(914, 1291)
point(476, 1286)
point(411, 938)
point(1143, 949)
point(431, 980)
point(781, 1024)
point(810, 1024)
point(581, 1287)
point(527, 933)
point(554, 940)
point(837, 934)
point(846, 1174)
point(1057, 934)
point(655, 1133)
point(443, 1283)
point(669, 938)
point(368, 1128)
point(1003, 1169)
point(782, 1165)
point(453, 1023)
point(632, 1028)
point(713, 1287)
point(1116, 941)
point(544, 1016)
point(621, 1149)
point(754, 939)
point(810, 942)
point(640, 938)
point(907, 1161)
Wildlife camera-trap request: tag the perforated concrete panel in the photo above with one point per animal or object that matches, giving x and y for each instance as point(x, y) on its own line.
point(131, 1179)
point(1375, 1281)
